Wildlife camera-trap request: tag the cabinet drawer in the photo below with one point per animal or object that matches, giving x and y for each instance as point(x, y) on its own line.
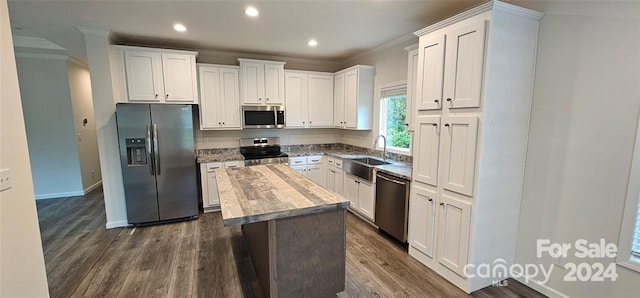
point(296, 161)
point(233, 164)
point(331, 161)
point(312, 160)
point(212, 166)
point(338, 163)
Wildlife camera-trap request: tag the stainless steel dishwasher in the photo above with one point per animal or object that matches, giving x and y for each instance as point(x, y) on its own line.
point(392, 205)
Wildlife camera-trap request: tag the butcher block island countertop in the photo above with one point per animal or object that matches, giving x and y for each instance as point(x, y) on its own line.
point(266, 192)
point(295, 229)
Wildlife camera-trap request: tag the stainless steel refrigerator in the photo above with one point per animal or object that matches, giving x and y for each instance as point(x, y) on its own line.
point(158, 161)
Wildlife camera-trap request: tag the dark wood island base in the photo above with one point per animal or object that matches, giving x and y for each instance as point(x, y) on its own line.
point(300, 256)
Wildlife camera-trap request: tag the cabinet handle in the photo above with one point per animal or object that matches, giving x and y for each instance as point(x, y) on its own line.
point(302, 122)
point(441, 204)
point(430, 200)
point(219, 123)
point(167, 96)
point(448, 99)
point(259, 98)
point(446, 124)
point(267, 99)
point(436, 101)
point(435, 124)
point(406, 124)
point(223, 123)
point(309, 122)
point(156, 95)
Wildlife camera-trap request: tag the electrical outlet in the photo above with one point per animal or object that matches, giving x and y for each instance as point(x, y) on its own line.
point(560, 262)
point(5, 179)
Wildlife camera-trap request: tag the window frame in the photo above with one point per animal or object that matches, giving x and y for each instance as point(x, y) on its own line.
point(630, 215)
point(383, 119)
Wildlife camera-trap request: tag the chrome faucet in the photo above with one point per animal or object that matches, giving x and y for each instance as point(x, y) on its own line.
point(384, 152)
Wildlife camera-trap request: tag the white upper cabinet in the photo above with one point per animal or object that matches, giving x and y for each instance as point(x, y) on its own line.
point(144, 76)
point(431, 71)
point(453, 241)
point(459, 135)
point(308, 99)
point(162, 76)
point(464, 66)
point(179, 83)
point(412, 79)
point(320, 109)
point(338, 100)
point(219, 97)
point(262, 81)
point(353, 98)
point(426, 150)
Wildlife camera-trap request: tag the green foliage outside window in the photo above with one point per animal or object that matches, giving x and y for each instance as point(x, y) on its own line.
point(396, 129)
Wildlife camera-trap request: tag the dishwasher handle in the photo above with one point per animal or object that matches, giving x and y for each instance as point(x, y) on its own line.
point(391, 180)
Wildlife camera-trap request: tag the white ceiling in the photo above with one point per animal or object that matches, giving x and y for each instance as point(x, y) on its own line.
point(342, 28)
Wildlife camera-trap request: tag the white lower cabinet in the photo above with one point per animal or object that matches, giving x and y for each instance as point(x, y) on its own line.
point(453, 235)
point(361, 194)
point(210, 199)
point(422, 213)
point(334, 174)
point(310, 166)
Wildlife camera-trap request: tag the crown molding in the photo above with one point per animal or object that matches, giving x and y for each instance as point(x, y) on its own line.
point(411, 47)
point(35, 43)
point(484, 7)
point(94, 31)
point(41, 56)
point(389, 44)
point(253, 56)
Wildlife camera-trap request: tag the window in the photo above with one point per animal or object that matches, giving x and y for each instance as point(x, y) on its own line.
point(393, 111)
point(629, 242)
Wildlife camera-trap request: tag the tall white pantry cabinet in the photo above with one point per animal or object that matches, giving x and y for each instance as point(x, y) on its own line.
point(471, 114)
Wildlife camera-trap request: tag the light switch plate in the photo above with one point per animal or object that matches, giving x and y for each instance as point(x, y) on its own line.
point(5, 179)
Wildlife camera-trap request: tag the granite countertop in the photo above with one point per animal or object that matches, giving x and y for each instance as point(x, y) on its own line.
point(395, 167)
point(220, 157)
point(261, 193)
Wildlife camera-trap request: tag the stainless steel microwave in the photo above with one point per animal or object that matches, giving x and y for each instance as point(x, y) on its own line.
point(270, 116)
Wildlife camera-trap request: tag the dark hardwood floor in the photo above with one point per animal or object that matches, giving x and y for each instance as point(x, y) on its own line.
point(201, 258)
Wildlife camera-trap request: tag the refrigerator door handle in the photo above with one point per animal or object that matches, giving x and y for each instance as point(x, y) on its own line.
point(149, 149)
point(156, 149)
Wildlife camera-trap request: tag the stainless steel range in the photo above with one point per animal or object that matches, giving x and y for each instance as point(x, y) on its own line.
point(262, 151)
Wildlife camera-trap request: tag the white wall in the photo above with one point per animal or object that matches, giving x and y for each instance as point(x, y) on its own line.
point(391, 66)
point(82, 106)
point(46, 102)
point(22, 270)
point(585, 108)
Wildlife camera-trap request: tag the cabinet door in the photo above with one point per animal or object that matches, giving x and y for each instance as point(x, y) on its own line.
point(231, 107)
point(453, 235)
point(274, 83)
point(426, 151)
point(209, 98)
point(351, 98)
point(366, 199)
point(300, 169)
point(144, 76)
point(252, 82)
point(412, 79)
point(314, 172)
point(351, 190)
point(212, 187)
point(330, 182)
point(320, 107)
point(459, 135)
point(295, 98)
point(422, 219)
point(338, 100)
point(179, 81)
point(431, 63)
point(463, 73)
point(339, 182)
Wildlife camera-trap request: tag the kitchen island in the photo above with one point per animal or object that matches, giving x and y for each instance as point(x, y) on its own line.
point(294, 228)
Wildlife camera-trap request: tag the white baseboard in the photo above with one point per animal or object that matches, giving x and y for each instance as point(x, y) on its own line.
point(59, 195)
point(92, 187)
point(117, 224)
point(543, 289)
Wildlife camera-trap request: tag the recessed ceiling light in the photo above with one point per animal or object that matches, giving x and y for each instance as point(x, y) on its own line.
point(179, 27)
point(251, 11)
point(312, 43)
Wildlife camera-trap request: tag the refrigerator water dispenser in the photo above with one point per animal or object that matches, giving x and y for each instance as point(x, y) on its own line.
point(136, 152)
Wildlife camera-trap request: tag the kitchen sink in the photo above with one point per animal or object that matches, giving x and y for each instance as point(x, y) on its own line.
point(362, 167)
point(370, 161)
